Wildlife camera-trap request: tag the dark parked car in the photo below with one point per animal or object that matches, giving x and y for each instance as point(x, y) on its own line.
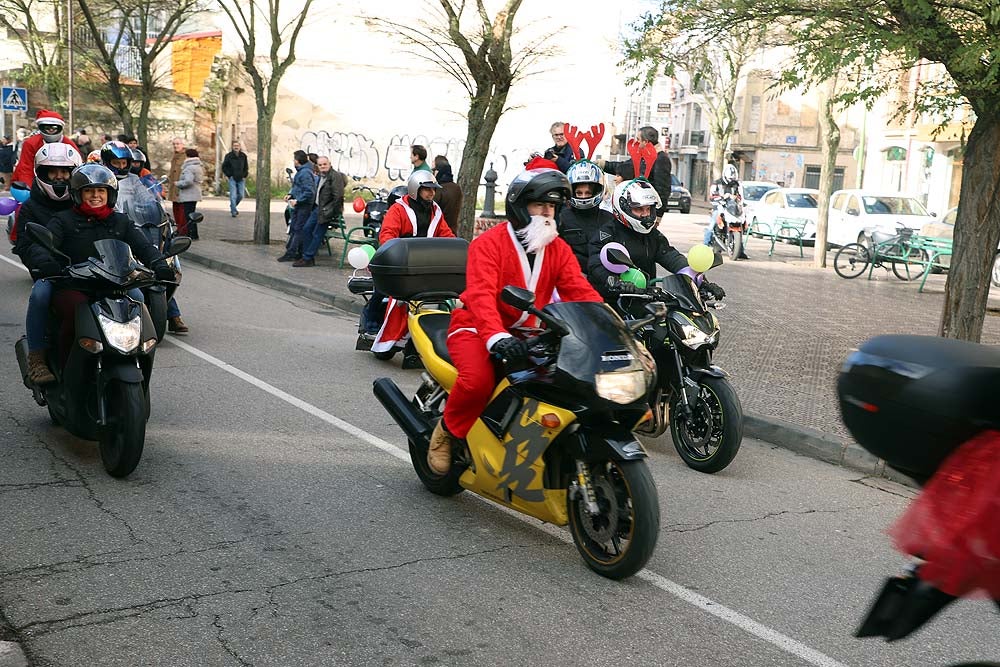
point(680, 197)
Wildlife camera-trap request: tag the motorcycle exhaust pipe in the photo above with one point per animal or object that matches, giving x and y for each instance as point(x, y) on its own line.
point(404, 413)
point(21, 352)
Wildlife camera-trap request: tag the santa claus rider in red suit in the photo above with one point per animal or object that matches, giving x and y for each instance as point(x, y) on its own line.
point(525, 252)
point(415, 214)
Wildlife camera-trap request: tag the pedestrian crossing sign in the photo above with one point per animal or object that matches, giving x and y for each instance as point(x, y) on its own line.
point(14, 99)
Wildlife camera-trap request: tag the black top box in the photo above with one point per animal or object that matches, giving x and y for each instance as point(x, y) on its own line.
point(913, 400)
point(415, 269)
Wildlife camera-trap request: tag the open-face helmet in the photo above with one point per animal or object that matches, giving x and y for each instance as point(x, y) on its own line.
point(585, 171)
point(55, 155)
point(535, 185)
point(630, 195)
point(93, 175)
point(420, 178)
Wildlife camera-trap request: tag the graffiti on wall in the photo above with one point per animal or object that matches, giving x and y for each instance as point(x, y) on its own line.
point(355, 154)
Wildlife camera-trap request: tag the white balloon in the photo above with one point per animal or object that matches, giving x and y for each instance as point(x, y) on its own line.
point(358, 258)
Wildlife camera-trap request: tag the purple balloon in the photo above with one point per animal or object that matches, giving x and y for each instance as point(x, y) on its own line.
point(7, 205)
point(610, 265)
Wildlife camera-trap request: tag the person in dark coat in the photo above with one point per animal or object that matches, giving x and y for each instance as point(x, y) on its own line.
point(660, 176)
point(236, 168)
point(449, 197)
point(561, 152)
point(7, 160)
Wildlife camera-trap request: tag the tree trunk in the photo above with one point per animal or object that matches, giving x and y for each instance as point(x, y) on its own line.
point(484, 114)
point(262, 219)
point(829, 143)
point(977, 232)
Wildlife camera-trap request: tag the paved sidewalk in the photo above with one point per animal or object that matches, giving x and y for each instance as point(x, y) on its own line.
point(786, 329)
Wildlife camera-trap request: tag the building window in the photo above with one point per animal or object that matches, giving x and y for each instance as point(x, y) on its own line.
point(811, 179)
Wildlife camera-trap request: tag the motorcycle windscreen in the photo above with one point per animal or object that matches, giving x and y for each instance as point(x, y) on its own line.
point(598, 341)
point(682, 288)
point(115, 261)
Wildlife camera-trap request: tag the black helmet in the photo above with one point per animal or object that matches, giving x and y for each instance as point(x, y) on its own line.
point(138, 161)
point(396, 194)
point(116, 150)
point(93, 175)
point(535, 185)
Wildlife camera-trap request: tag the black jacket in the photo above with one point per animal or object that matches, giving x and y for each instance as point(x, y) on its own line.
point(578, 227)
point(331, 196)
point(7, 160)
point(74, 234)
point(646, 251)
point(563, 157)
point(38, 209)
point(235, 165)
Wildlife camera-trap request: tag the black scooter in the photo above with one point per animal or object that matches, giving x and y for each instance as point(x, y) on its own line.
point(102, 391)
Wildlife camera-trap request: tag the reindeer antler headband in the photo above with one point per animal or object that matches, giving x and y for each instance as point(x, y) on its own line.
point(575, 138)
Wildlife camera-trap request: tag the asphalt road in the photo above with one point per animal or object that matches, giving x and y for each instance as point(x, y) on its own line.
point(275, 520)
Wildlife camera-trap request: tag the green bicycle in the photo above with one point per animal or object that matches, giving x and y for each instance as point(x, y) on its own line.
point(895, 252)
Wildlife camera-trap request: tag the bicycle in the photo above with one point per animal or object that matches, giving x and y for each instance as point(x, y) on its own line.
point(895, 252)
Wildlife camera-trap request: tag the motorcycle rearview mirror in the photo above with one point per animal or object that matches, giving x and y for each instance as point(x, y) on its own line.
point(43, 237)
point(619, 257)
point(518, 297)
point(178, 245)
point(195, 217)
point(657, 309)
point(288, 170)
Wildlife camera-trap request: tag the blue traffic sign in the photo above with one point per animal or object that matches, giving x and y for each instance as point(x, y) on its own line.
point(14, 99)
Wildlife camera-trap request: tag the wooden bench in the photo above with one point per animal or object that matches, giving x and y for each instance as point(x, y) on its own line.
point(338, 231)
point(782, 229)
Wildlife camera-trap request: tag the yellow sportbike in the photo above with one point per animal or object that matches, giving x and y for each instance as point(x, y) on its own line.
point(555, 442)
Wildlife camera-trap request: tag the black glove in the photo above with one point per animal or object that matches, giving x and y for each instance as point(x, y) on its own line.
point(713, 290)
point(617, 286)
point(511, 350)
point(164, 272)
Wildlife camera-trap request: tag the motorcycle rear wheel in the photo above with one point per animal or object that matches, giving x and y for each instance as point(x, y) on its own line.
point(618, 541)
point(710, 438)
point(440, 485)
point(123, 438)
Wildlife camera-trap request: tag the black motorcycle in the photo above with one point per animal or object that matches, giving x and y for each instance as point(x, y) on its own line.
point(731, 238)
point(693, 396)
point(375, 208)
point(102, 391)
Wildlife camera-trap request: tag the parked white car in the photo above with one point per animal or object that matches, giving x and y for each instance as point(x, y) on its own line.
point(945, 228)
point(752, 193)
point(788, 205)
point(855, 212)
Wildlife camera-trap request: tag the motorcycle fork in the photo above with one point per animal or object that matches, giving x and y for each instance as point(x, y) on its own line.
point(585, 486)
point(102, 405)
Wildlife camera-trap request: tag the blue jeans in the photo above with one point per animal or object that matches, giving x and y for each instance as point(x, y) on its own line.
point(237, 191)
point(314, 234)
point(296, 237)
point(37, 318)
point(172, 309)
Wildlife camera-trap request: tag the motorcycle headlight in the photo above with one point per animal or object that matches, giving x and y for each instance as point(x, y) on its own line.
point(622, 387)
point(123, 336)
point(693, 335)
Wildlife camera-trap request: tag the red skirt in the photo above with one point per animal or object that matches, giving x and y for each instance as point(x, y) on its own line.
point(954, 524)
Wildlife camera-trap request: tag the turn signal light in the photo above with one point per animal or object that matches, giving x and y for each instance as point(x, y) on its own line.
point(91, 345)
point(551, 421)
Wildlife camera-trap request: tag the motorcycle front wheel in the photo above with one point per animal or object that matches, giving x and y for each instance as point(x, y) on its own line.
point(123, 438)
point(618, 540)
point(709, 437)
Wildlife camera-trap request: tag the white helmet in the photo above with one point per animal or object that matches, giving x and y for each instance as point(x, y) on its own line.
point(420, 178)
point(729, 174)
point(630, 195)
point(585, 171)
point(55, 155)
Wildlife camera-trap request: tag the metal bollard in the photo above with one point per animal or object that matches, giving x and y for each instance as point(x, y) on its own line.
point(491, 185)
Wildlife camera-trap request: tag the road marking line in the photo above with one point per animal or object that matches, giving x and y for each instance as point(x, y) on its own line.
point(17, 265)
point(745, 623)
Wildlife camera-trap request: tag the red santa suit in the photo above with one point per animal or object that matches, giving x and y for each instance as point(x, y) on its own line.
point(401, 222)
point(25, 169)
point(497, 259)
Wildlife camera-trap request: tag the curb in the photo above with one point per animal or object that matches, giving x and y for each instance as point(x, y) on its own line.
point(799, 439)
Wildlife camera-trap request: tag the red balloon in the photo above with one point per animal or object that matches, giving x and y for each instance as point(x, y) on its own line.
point(359, 204)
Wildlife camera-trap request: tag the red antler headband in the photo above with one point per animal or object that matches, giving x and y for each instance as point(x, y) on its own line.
point(641, 156)
point(574, 137)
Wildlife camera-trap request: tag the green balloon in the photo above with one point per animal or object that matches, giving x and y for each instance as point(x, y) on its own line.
point(636, 277)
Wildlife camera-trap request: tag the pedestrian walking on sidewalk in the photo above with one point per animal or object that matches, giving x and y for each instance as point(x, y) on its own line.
point(236, 169)
point(174, 175)
point(302, 199)
point(449, 197)
point(189, 188)
point(7, 160)
point(329, 208)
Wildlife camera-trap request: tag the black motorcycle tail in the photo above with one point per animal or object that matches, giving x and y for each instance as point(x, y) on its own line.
point(904, 604)
point(403, 412)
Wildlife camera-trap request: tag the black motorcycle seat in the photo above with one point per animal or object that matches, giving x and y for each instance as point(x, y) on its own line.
point(435, 325)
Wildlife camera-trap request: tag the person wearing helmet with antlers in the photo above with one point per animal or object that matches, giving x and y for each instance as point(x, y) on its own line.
point(657, 169)
point(634, 206)
point(578, 223)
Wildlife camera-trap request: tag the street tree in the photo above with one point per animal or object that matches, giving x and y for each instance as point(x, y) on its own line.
point(474, 49)
point(39, 27)
point(121, 54)
point(265, 62)
point(671, 43)
point(887, 35)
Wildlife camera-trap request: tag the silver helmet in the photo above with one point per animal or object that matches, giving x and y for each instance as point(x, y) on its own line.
point(420, 178)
